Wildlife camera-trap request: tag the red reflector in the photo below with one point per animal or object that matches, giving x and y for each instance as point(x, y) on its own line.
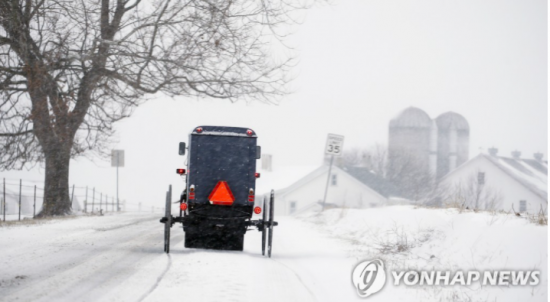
point(192, 195)
point(257, 175)
point(199, 130)
point(249, 132)
point(250, 198)
point(257, 210)
point(180, 171)
point(183, 206)
point(221, 195)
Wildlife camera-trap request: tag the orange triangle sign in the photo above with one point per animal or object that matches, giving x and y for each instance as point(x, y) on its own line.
point(221, 195)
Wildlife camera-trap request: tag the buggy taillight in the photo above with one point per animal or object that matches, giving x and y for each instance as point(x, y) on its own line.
point(192, 192)
point(249, 132)
point(257, 210)
point(180, 171)
point(257, 175)
point(251, 195)
point(199, 130)
point(183, 206)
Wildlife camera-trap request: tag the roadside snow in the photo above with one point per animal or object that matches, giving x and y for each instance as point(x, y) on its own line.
point(406, 238)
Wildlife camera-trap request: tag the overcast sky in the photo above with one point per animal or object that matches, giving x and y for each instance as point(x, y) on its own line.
point(361, 62)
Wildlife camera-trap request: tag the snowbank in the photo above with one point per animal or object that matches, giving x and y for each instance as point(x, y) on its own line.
point(406, 237)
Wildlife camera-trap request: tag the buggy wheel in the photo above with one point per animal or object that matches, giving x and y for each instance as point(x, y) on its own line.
point(270, 237)
point(264, 230)
point(168, 222)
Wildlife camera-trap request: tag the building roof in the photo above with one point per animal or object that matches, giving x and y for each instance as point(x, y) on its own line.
point(287, 179)
point(532, 174)
point(452, 120)
point(375, 182)
point(411, 117)
point(281, 177)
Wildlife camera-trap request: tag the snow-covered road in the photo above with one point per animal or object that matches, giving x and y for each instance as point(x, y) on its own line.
point(120, 258)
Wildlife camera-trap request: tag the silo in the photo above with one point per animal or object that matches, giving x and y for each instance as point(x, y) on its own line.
point(453, 142)
point(410, 134)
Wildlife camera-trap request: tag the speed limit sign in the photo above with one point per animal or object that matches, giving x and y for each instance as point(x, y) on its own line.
point(335, 144)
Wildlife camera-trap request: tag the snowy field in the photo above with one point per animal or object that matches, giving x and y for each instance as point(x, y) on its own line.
point(120, 258)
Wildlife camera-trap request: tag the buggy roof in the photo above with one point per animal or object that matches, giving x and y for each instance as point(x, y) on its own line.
point(223, 131)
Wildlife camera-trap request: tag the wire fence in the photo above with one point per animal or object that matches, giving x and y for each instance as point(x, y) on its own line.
point(24, 199)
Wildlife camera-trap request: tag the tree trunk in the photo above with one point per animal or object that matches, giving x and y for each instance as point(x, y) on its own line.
point(56, 189)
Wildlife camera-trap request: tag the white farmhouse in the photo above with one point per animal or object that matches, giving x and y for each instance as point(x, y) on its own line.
point(300, 189)
point(521, 184)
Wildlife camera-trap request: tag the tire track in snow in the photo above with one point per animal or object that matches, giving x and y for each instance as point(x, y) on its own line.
point(92, 268)
point(132, 223)
point(299, 279)
point(146, 294)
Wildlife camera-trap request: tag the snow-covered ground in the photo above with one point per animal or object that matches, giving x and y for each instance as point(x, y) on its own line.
point(119, 258)
point(410, 238)
point(13, 217)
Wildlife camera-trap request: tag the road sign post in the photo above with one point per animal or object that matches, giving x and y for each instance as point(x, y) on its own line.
point(333, 147)
point(117, 160)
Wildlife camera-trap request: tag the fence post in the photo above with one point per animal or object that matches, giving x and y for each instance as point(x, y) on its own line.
point(34, 204)
point(20, 185)
point(93, 200)
point(4, 192)
point(86, 201)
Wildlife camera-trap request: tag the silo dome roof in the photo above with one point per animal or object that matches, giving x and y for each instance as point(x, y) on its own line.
point(411, 117)
point(452, 120)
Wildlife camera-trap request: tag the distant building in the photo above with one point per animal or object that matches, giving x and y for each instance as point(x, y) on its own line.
point(453, 142)
point(436, 146)
point(300, 189)
point(520, 183)
point(411, 136)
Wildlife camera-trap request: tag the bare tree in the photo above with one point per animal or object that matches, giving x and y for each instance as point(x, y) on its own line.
point(405, 170)
point(470, 193)
point(69, 69)
point(374, 158)
point(410, 174)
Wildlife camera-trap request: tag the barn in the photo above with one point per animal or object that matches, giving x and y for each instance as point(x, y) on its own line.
point(515, 183)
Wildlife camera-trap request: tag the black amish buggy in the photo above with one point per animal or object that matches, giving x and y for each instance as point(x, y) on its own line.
point(219, 198)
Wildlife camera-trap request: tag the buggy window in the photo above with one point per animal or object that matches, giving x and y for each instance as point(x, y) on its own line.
point(222, 160)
